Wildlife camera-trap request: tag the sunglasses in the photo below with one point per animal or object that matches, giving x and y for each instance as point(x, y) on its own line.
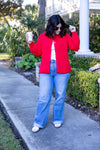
point(58, 28)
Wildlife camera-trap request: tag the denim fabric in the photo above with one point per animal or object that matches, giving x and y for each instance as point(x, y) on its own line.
point(47, 81)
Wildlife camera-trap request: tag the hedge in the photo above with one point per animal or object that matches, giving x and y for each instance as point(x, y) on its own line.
point(83, 85)
point(82, 63)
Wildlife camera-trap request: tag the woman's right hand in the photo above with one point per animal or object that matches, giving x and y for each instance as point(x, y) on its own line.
point(29, 37)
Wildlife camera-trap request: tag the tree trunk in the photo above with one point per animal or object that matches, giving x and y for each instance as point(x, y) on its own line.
point(42, 4)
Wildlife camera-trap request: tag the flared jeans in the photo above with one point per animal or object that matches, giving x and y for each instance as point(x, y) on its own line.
point(46, 84)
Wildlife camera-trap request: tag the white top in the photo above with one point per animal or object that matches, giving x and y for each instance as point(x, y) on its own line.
point(53, 55)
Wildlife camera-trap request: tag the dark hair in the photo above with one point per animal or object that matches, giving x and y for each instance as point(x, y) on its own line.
point(52, 23)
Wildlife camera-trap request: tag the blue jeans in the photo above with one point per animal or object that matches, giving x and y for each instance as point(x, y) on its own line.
point(47, 81)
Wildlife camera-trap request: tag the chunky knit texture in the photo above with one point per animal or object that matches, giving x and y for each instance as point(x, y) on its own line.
point(62, 44)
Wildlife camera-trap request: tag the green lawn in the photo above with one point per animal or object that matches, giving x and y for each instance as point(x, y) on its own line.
point(7, 137)
point(4, 56)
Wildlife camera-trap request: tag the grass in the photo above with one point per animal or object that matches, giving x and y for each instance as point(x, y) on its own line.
point(7, 137)
point(4, 56)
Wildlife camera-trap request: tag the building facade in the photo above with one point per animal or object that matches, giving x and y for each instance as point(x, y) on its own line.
point(64, 7)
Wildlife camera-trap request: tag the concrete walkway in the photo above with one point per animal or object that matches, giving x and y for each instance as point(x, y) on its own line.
point(19, 97)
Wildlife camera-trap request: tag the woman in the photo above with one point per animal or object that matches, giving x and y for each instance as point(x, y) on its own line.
point(53, 46)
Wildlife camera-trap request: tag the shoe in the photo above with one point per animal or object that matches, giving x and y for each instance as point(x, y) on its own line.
point(35, 129)
point(57, 125)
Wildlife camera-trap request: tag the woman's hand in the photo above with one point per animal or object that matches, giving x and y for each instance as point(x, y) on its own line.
point(72, 28)
point(29, 37)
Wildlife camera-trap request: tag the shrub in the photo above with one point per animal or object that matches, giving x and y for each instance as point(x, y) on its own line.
point(83, 63)
point(83, 85)
point(28, 61)
point(3, 30)
point(94, 31)
point(17, 43)
point(14, 41)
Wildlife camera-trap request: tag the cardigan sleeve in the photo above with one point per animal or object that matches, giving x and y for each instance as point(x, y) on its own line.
point(73, 42)
point(35, 48)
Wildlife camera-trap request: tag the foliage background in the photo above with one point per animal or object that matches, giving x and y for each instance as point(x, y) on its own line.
point(12, 38)
point(94, 29)
point(10, 7)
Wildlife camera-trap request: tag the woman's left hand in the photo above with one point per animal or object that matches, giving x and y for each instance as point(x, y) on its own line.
point(72, 28)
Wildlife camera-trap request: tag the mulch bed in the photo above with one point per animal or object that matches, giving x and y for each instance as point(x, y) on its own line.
point(93, 113)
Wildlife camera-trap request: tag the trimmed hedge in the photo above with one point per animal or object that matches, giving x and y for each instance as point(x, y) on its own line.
point(83, 85)
point(83, 63)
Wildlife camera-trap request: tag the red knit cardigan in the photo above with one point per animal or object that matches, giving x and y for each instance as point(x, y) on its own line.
point(62, 44)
